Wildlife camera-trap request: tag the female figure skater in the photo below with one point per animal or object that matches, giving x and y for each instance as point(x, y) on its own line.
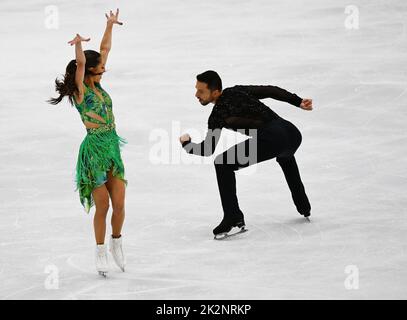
point(99, 168)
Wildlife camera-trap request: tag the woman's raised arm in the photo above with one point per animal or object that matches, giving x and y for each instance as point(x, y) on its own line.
point(80, 65)
point(106, 43)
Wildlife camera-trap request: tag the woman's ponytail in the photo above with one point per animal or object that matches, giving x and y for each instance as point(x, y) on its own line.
point(66, 87)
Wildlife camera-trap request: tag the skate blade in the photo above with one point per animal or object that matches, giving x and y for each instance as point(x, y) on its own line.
point(308, 219)
point(103, 273)
point(226, 235)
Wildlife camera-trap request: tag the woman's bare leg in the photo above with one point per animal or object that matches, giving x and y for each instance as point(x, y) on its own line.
point(101, 198)
point(116, 188)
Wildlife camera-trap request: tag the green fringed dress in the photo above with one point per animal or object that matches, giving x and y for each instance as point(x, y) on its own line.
point(100, 149)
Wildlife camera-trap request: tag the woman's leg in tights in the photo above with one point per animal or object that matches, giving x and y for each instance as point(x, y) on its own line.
point(116, 188)
point(101, 198)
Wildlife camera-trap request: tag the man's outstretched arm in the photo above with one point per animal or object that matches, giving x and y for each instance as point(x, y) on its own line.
point(206, 147)
point(274, 92)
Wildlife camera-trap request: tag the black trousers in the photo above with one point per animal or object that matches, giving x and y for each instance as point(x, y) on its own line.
point(277, 139)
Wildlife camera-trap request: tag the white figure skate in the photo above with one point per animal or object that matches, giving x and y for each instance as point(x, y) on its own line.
point(101, 260)
point(116, 250)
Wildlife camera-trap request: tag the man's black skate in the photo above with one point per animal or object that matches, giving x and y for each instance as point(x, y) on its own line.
point(222, 231)
point(307, 215)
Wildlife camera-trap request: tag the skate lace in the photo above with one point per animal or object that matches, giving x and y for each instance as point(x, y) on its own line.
point(117, 244)
point(101, 255)
point(118, 248)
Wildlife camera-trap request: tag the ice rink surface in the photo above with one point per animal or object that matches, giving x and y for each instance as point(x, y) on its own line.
point(352, 158)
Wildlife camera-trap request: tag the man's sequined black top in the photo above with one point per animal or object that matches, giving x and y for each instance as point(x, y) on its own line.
point(239, 107)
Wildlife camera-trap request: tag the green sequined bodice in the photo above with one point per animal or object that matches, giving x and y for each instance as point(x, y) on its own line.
point(92, 103)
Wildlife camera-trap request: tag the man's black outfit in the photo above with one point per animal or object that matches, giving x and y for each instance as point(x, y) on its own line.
point(239, 108)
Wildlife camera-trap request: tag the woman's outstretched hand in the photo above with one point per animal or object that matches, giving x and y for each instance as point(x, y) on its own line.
point(113, 18)
point(77, 39)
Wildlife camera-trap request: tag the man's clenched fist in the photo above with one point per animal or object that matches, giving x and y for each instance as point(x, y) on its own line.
point(306, 104)
point(185, 137)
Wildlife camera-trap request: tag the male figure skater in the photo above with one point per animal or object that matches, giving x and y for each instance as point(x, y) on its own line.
point(238, 108)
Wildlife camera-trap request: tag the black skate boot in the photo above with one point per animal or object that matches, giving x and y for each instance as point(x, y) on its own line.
point(222, 230)
point(307, 215)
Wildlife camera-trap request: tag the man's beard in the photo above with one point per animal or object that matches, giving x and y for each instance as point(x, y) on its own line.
point(204, 103)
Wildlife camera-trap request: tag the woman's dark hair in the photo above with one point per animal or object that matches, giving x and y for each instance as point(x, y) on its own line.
point(67, 86)
point(212, 79)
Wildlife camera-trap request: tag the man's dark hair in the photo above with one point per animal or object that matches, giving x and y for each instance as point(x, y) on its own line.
point(212, 79)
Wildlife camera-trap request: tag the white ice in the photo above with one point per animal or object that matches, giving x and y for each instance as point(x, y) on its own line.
point(352, 158)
